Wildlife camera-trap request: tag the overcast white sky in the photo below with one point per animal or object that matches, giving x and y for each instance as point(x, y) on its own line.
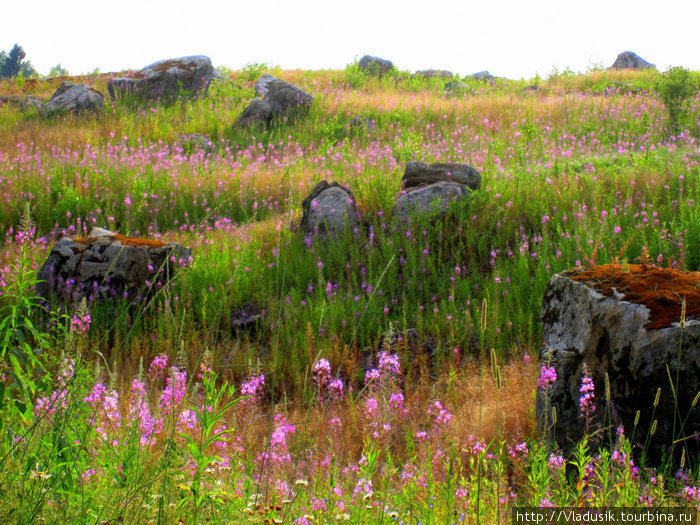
point(509, 38)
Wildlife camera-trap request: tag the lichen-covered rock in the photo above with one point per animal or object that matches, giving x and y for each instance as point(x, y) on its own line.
point(375, 66)
point(623, 322)
point(73, 98)
point(166, 80)
point(418, 173)
point(108, 265)
point(630, 60)
point(433, 199)
point(329, 210)
point(281, 100)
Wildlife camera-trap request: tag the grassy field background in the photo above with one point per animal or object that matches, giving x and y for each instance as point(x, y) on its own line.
point(129, 416)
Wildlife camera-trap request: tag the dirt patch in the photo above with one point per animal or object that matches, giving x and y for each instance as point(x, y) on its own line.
point(661, 290)
point(126, 241)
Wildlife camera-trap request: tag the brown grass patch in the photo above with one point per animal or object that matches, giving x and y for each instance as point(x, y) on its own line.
point(126, 241)
point(661, 290)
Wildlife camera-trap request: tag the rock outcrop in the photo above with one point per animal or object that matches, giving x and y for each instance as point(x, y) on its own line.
point(281, 100)
point(484, 76)
point(630, 60)
point(73, 98)
point(263, 84)
point(329, 211)
point(623, 323)
point(375, 66)
point(431, 188)
point(434, 73)
point(166, 80)
point(108, 265)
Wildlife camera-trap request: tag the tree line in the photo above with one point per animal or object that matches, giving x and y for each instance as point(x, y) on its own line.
point(13, 63)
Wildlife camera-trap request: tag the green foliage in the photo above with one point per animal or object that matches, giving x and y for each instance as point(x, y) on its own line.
point(22, 343)
point(58, 71)
point(676, 87)
point(253, 70)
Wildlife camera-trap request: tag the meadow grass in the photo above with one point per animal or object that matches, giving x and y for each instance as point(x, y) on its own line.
point(157, 411)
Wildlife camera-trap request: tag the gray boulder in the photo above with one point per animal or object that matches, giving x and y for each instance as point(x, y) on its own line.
point(455, 87)
point(432, 199)
point(418, 173)
point(595, 325)
point(630, 60)
point(375, 66)
point(434, 73)
point(329, 210)
point(108, 265)
point(484, 76)
point(165, 79)
point(263, 84)
point(23, 102)
point(281, 100)
point(73, 98)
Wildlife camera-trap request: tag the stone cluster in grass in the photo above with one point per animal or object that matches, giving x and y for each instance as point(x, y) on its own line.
point(107, 265)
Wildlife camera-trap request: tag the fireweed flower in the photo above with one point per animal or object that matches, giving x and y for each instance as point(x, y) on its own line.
point(587, 394)
point(157, 368)
point(175, 390)
point(58, 399)
point(440, 416)
point(321, 373)
point(547, 377)
point(80, 323)
point(254, 388)
point(140, 415)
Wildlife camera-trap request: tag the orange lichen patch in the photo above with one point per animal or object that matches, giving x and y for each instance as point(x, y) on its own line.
point(661, 290)
point(126, 241)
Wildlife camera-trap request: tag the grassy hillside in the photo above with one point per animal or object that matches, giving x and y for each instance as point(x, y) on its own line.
point(581, 169)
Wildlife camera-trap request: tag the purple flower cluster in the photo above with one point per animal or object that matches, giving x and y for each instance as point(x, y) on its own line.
point(547, 377)
point(587, 394)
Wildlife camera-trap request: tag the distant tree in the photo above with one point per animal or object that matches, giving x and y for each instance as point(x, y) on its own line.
point(3, 57)
point(27, 70)
point(58, 71)
point(12, 64)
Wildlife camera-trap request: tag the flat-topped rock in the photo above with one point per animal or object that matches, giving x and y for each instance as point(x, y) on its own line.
point(625, 321)
point(166, 79)
point(107, 265)
point(418, 173)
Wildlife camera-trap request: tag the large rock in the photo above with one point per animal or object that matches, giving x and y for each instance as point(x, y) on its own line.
point(434, 73)
point(630, 60)
point(433, 199)
point(281, 100)
point(623, 321)
point(484, 76)
point(417, 173)
point(263, 84)
point(329, 211)
point(375, 66)
point(164, 80)
point(108, 265)
point(73, 98)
